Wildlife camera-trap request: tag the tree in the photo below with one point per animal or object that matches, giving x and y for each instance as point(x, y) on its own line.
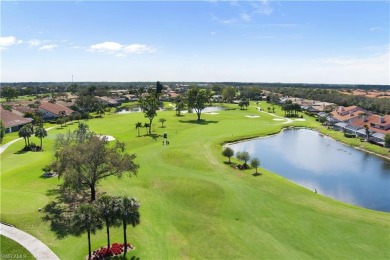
point(368, 133)
point(26, 131)
point(387, 140)
point(128, 213)
point(40, 132)
point(243, 156)
point(197, 99)
point(9, 93)
point(2, 131)
point(228, 152)
point(255, 163)
point(84, 164)
point(100, 109)
point(180, 105)
point(159, 88)
point(108, 208)
point(162, 121)
point(138, 125)
point(146, 125)
point(149, 106)
point(86, 218)
point(243, 103)
point(228, 94)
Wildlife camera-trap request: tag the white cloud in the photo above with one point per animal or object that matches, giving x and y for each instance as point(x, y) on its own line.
point(48, 47)
point(34, 43)
point(262, 7)
point(121, 50)
point(106, 46)
point(246, 17)
point(8, 41)
point(369, 70)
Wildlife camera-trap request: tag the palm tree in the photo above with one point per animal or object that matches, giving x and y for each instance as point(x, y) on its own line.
point(146, 125)
point(86, 218)
point(138, 125)
point(26, 131)
point(40, 132)
point(23, 133)
point(128, 213)
point(108, 209)
point(162, 121)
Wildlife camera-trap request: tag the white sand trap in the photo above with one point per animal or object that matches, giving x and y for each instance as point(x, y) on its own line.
point(278, 119)
point(108, 137)
point(211, 113)
point(252, 116)
point(300, 119)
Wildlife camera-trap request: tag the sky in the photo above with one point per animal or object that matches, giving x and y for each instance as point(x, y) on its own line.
point(328, 42)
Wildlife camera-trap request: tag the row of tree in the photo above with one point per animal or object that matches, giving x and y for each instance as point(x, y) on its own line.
point(242, 156)
point(112, 211)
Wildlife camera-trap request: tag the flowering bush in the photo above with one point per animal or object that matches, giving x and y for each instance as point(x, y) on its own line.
point(115, 249)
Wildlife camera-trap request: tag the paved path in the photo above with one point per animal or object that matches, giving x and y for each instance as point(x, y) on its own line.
point(288, 120)
point(3, 147)
point(38, 249)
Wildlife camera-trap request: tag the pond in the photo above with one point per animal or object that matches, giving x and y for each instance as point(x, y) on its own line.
point(320, 163)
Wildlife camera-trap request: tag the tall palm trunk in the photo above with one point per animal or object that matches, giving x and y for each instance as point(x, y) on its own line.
point(124, 235)
point(89, 244)
point(108, 234)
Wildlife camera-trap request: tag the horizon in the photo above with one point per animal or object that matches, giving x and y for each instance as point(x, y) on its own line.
point(263, 42)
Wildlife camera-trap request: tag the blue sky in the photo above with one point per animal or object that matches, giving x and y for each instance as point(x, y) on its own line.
point(249, 41)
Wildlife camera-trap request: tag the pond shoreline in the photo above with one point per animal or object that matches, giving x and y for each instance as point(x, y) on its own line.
point(239, 140)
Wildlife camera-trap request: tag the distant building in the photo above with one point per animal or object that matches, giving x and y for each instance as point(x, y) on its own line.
point(347, 114)
point(11, 121)
point(52, 111)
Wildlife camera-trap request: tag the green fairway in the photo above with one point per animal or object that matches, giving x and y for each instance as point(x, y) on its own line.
point(193, 205)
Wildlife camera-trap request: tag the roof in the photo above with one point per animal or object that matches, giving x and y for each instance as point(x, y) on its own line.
point(347, 116)
point(55, 108)
point(24, 109)
point(10, 119)
point(373, 119)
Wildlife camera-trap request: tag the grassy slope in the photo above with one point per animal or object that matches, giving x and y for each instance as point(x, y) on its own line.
point(11, 249)
point(195, 206)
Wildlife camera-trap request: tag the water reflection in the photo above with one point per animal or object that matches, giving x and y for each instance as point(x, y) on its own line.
point(318, 162)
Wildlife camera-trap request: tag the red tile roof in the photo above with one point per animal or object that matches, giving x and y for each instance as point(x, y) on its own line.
point(373, 119)
point(10, 119)
point(55, 108)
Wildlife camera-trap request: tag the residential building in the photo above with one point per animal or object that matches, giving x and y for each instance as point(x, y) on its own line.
point(51, 111)
point(11, 121)
point(347, 114)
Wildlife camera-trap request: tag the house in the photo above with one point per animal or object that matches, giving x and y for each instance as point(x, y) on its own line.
point(22, 110)
point(376, 123)
point(11, 121)
point(51, 111)
point(347, 114)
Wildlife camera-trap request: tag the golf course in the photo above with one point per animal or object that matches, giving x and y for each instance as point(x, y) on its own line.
point(194, 205)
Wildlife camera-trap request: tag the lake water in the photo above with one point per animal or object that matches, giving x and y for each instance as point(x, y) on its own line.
point(319, 162)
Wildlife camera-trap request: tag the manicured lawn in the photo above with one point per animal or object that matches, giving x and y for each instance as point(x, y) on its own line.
point(193, 205)
point(12, 250)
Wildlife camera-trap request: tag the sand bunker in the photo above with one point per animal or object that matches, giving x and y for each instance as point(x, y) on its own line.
point(211, 113)
point(252, 116)
point(107, 137)
point(300, 119)
point(278, 119)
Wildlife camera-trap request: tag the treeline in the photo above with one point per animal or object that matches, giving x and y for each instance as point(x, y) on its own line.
point(376, 105)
